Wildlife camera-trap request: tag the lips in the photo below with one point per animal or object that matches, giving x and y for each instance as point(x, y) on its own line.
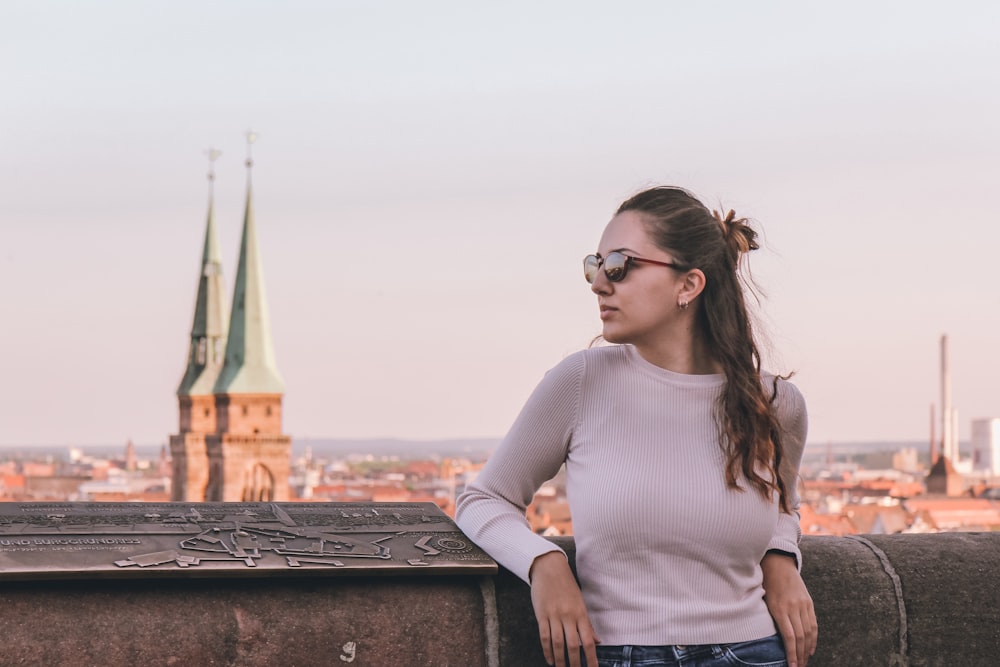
point(607, 311)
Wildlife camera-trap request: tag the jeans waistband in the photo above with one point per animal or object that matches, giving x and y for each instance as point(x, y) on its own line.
point(679, 654)
point(669, 652)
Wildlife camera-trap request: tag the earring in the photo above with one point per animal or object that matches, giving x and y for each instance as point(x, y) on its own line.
point(683, 305)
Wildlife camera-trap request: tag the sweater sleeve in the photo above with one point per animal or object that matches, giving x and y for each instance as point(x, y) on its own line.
point(791, 413)
point(491, 511)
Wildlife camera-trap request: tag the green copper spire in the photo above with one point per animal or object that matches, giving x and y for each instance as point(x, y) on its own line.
point(249, 367)
point(208, 332)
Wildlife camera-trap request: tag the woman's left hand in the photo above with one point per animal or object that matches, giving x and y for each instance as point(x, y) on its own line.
point(791, 607)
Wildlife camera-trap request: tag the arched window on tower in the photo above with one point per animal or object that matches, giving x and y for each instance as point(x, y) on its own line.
point(258, 484)
point(202, 350)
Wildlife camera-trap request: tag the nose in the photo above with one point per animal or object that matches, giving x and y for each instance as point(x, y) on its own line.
point(601, 285)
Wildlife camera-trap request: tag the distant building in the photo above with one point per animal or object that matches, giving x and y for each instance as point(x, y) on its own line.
point(906, 459)
point(943, 480)
point(130, 460)
point(957, 514)
point(230, 446)
point(986, 445)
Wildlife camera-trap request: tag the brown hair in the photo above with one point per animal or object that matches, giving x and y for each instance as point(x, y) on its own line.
point(697, 238)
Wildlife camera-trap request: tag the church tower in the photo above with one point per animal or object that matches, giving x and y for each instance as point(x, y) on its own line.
point(249, 458)
point(205, 357)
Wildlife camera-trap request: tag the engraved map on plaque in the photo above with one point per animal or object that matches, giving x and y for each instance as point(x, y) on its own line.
point(78, 540)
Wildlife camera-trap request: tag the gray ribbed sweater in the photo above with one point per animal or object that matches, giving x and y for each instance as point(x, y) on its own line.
point(666, 552)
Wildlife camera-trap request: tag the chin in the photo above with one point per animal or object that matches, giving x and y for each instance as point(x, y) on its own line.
point(612, 336)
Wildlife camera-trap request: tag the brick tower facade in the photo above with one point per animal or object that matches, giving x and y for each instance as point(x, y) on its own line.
point(230, 446)
point(206, 353)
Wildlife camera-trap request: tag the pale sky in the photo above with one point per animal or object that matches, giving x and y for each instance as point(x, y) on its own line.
point(429, 176)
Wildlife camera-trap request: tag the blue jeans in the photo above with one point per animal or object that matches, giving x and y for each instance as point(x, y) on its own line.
point(766, 652)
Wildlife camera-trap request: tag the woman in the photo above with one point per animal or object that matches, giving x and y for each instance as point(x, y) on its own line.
point(686, 535)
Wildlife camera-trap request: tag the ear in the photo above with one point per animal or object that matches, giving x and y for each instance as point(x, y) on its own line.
point(692, 285)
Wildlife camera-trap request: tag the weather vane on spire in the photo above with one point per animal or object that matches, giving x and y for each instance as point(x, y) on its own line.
point(213, 155)
point(251, 138)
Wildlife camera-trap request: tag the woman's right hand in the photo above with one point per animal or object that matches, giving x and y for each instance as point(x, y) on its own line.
point(563, 625)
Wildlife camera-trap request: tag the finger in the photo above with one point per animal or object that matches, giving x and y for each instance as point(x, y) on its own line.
point(788, 639)
point(812, 632)
point(545, 638)
point(589, 643)
point(800, 644)
point(572, 646)
point(558, 646)
point(591, 655)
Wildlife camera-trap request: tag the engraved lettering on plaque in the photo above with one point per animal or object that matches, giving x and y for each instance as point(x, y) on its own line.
point(46, 539)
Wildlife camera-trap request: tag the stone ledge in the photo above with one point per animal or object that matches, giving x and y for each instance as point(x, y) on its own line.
point(247, 622)
point(949, 614)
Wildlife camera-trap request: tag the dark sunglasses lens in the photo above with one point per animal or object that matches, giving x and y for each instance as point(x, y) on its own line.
point(616, 266)
point(591, 265)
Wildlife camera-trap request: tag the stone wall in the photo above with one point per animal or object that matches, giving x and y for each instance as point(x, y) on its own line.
point(913, 600)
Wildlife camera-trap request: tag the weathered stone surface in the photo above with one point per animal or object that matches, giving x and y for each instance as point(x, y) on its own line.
point(430, 621)
point(899, 601)
point(856, 603)
point(518, 642)
point(951, 585)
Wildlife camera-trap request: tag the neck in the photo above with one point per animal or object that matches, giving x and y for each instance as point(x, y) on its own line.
point(682, 352)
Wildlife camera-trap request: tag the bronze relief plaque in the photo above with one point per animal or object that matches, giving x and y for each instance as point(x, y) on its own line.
point(145, 540)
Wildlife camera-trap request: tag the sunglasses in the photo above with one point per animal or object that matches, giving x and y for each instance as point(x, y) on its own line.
point(615, 265)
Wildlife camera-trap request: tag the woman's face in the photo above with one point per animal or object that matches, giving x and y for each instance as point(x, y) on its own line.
point(641, 308)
